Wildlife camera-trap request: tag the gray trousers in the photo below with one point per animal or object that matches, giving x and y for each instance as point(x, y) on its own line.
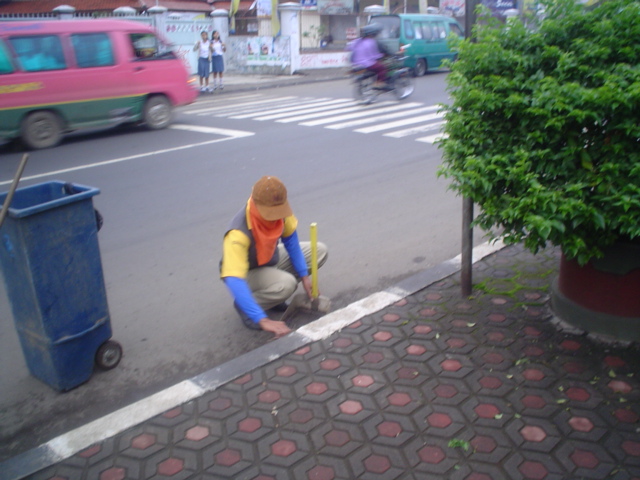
point(273, 285)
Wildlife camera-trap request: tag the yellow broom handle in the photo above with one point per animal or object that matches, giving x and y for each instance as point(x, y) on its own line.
point(314, 260)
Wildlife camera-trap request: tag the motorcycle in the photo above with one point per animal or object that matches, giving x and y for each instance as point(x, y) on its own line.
point(399, 81)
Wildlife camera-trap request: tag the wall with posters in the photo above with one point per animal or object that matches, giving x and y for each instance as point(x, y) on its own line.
point(262, 55)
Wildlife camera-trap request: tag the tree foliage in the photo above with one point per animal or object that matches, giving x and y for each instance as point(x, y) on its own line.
point(544, 128)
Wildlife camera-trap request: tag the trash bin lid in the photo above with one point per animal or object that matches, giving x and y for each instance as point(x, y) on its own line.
point(46, 196)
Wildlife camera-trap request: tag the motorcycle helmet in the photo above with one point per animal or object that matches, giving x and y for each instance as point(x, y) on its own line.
point(371, 30)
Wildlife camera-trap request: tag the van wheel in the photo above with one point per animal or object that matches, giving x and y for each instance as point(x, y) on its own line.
point(421, 68)
point(157, 112)
point(41, 130)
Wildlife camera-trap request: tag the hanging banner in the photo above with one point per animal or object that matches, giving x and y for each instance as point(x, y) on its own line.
point(335, 7)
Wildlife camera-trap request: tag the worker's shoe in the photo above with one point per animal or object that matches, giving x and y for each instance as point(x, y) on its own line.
point(281, 307)
point(246, 321)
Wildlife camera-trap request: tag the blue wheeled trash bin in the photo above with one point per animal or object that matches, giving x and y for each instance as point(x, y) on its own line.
point(50, 260)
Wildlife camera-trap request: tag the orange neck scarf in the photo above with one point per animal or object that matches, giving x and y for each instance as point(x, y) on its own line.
point(265, 234)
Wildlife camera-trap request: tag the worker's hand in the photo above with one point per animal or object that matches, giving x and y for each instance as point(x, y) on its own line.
point(279, 329)
point(306, 283)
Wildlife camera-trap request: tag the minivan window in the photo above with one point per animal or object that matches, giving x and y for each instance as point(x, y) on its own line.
point(455, 29)
point(92, 49)
point(147, 46)
point(5, 61)
point(408, 30)
point(39, 53)
point(441, 33)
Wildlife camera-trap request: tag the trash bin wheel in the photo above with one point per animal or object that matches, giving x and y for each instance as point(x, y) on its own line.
point(109, 355)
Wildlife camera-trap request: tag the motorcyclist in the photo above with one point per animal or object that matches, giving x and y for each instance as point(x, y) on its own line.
point(367, 53)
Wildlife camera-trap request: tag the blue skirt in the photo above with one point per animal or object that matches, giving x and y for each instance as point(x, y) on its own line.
point(217, 64)
point(203, 67)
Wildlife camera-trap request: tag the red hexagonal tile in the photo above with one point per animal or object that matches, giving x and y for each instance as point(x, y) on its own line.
point(342, 342)
point(445, 391)
point(533, 351)
point(626, 416)
point(483, 444)
point(170, 466)
point(428, 312)
point(320, 472)
point(143, 441)
point(415, 350)
point(408, 373)
point(534, 401)
point(433, 297)
point(283, 448)
point(495, 337)
point(584, 459)
point(301, 415)
point(362, 381)
point(431, 454)
point(490, 382)
point(286, 371)
point(531, 433)
point(219, 404)
point(631, 448)
point(269, 396)
point(373, 357)
point(614, 361)
point(249, 425)
point(243, 379)
point(439, 420)
point(422, 329)
point(478, 476)
point(578, 394)
point(391, 317)
point(574, 367)
point(351, 407)
point(377, 464)
point(532, 331)
point(113, 473)
point(302, 351)
point(316, 388)
point(533, 470)
point(451, 365)
point(330, 364)
point(456, 343)
point(497, 317)
point(499, 301)
point(493, 358)
point(486, 410)
point(399, 399)
point(227, 457)
point(197, 433)
point(389, 429)
point(533, 374)
point(618, 386)
point(571, 345)
point(581, 424)
point(337, 438)
point(90, 452)
point(382, 336)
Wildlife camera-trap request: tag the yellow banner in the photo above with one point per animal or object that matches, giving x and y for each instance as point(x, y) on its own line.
point(275, 20)
point(235, 4)
point(21, 87)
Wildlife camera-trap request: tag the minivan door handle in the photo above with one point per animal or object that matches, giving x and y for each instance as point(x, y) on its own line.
point(138, 69)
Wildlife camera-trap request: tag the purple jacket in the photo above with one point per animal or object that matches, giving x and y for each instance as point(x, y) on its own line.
point(365, 52)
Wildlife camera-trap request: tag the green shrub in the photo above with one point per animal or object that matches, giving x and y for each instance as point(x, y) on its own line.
point(544, 128)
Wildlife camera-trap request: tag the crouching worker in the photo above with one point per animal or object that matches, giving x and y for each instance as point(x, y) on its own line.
point(262, 259)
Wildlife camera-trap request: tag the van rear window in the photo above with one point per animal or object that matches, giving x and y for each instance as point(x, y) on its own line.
point(92, 49)
point(147, 46)
point(39, 53)
point(5, 61)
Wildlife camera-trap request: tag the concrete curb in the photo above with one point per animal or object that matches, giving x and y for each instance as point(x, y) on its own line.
point(70, 443)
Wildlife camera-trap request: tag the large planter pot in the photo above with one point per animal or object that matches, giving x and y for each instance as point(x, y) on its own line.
point(602, 297)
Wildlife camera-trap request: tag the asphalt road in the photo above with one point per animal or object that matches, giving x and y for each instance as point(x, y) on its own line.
point(166, 198)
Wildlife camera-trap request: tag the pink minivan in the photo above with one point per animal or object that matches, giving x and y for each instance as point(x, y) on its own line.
point(60, 76)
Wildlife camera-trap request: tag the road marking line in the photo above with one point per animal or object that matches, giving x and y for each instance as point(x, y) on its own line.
point(364, 121)
point(227, 135)
point(399, 123)
point(308, 109)
point(286, 107)
point(364, 111)
point(414, 130)
point(432, 138)
point(240, 106)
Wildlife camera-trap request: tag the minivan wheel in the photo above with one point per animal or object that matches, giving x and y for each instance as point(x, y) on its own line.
point(421, 68)
point(41, 130)
point(157, 112)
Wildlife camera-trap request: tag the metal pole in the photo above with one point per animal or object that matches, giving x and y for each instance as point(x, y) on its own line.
point(466, 281)
point(12, 189)
point(466, 267)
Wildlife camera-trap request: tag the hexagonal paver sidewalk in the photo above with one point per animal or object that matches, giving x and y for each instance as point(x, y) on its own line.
point(433, 387)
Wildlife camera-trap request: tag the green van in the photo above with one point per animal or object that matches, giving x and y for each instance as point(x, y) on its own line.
point(424, 38)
